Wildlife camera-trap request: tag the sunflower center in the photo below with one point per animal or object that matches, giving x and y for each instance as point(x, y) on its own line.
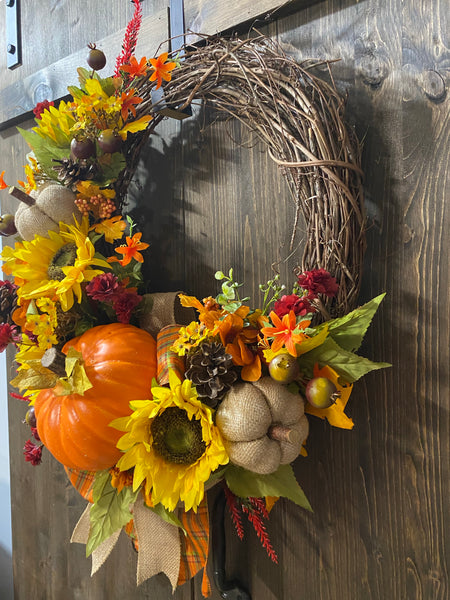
point(64, 257)
point(176, 438)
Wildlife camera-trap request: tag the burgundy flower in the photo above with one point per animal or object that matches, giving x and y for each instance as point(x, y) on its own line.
point(8, 334)
point(40, 107)
point(318, 281)
point(103, 288)
point(35, 433)
point(11, 287)
point(300, 305)
point(32, 453)
point(124, 304)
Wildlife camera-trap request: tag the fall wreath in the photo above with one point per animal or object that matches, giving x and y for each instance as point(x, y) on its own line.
point(218, 397)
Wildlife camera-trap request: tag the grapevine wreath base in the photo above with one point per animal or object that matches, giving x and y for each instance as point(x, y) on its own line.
point(220, 390)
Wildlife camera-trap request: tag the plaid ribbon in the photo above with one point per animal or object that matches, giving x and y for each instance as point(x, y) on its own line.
point(82, 481)
point(167, 359)
point(195, 545)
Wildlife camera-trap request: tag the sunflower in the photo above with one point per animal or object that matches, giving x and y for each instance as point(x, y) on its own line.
point(172, 444)
point(54, 267)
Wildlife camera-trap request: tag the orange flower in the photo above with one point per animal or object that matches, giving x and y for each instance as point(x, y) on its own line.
point(209, 311)
point(243, 356)
point(128, 100)
point(335, 413)
point(162, 69)
point(131, 250)
point(135, 68)
point(285, 332)
point(121, 479)
point(3, 185)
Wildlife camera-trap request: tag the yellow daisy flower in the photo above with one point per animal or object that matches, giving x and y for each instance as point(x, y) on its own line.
point(172, 444)
point(55, 267)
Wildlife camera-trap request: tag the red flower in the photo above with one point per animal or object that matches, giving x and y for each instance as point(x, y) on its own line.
point(11, 286)
point(300, 305)
point(8, 334)
point(124, 304)
point(40, 107)
point(318, 281)
point(32, 453)
point(35, 433)
point(103, 288)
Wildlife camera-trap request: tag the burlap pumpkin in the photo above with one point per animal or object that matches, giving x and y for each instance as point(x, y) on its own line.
point(248, 417)
point(54, 203)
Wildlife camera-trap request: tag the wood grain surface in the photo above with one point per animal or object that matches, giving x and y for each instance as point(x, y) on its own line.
point(208, 197)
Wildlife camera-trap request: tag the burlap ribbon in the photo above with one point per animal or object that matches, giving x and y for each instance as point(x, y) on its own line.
point(166, 310)
point(159, 543)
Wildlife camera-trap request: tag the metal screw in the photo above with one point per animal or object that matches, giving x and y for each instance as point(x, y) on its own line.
point(11, 49)
point(9, 2)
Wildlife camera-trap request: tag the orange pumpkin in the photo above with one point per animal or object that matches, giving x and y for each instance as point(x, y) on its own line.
point(120, 362)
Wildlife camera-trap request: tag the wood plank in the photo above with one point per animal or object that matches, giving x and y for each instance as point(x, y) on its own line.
point(204, 16)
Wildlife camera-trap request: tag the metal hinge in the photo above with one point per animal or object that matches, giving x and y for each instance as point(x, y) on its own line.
point(13, 42)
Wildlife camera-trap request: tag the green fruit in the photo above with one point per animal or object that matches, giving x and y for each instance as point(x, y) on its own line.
point(284, 368)
point(96, 59)
point(7, 225)
point(321, 392)
point(109, 141)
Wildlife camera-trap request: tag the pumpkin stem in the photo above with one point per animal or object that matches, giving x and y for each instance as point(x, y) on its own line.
point(283, 433)
point(22, 196)
point(54, 360)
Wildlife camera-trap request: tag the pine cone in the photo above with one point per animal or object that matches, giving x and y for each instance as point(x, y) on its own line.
point(8, 301)
point(211, 371)
point(71, 171)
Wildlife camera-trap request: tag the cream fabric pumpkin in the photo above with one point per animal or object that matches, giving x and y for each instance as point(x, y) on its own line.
point(54, 203)
point(247, 418)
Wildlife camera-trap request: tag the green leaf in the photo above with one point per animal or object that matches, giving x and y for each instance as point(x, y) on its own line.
point(246, 484)
point(110, 511)
point(111, 166)
point(348, 365)
point(349, 331)
point(75, 92)
point(168, 516)
point(46, 150)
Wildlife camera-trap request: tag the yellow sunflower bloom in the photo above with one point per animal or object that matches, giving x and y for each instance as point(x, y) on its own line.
point(55, 267)
point(172, 444)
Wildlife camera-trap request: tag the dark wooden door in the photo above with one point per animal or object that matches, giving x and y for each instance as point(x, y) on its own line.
point(207, 197)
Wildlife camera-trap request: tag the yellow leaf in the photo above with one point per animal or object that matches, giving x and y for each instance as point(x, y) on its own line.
point(312, 342)
point(335, 413)
point(134, 126)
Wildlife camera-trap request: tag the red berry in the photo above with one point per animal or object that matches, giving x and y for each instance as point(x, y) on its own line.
point(84, 148)
point(109, 141)
point(96, 59)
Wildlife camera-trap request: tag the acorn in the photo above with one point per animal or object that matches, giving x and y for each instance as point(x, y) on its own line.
point(96, 59)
